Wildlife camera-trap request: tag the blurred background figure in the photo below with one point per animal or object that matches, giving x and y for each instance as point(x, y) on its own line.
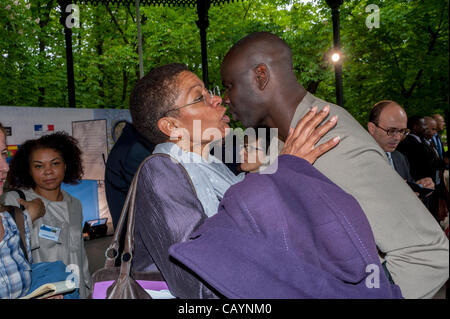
point(123, 161)
point(437, 138)
point(439, 199)
point(254, 151)
point(420, 157)
point(424, 160)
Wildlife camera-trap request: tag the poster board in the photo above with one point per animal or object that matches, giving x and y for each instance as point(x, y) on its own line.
point(92, 139)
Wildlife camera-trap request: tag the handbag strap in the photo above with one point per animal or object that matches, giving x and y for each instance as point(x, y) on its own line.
point(127, 255)
point(112, 252)
point(18, 217)
point(128, 210)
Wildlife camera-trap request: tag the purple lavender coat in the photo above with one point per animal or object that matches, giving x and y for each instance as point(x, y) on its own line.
point(292, 234)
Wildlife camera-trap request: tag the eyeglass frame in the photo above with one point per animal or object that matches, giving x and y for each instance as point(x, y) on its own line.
point(254, 148)
point(214, 92)
point(396, 130)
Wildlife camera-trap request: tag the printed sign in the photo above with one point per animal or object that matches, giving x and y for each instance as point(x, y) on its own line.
point(40, 129)
point(12, 150)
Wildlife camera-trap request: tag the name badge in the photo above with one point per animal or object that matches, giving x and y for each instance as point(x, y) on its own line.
point(49, 232)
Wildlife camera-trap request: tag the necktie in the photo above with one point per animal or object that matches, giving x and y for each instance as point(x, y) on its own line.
point(438, 145)
point(436, 153)
point(390, 158)
point(434, 147)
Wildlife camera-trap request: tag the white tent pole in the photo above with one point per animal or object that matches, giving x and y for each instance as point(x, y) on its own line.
point(138, 20)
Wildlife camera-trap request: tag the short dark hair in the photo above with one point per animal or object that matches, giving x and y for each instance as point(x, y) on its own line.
point(66, 145)
point(152, 96)
point(413, 121)
point(375, 112)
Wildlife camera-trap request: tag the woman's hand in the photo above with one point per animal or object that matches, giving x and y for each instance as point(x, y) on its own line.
point(301, 141)
point(35, 207)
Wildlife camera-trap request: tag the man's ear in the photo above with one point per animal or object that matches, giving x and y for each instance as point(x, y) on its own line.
point(262, 75)
point(371, 128)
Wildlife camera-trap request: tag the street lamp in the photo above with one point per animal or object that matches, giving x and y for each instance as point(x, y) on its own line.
point(336, 57)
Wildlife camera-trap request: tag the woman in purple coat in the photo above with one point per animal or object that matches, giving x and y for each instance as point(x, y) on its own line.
point(269, 243)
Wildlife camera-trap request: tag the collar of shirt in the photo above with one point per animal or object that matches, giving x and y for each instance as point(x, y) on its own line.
point(415, 136)
point(211, 178)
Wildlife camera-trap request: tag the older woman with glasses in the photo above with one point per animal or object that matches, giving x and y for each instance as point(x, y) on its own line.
point(255, 151)
point(181, 185)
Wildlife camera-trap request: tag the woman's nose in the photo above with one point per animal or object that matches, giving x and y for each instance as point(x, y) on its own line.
point(216, 101)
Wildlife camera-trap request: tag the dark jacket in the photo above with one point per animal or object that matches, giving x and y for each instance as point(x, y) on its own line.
point(422, 160)
point(401, 165)
point(123, 161)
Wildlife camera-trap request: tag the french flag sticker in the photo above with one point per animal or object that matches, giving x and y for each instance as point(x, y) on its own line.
point(40, 129)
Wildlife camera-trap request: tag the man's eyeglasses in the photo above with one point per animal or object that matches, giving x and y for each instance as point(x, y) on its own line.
point(393, 131)
point(250, 148)
point(207, 96)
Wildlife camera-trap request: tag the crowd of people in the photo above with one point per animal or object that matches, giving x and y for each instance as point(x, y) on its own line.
point(338, 200)
point(415, 150)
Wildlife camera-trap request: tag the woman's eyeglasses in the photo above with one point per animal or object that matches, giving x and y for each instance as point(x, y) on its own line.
point(250, 148)
point(207, 97)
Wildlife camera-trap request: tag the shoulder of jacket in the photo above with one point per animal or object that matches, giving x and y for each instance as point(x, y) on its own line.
point(70, 199)
point(10, 198)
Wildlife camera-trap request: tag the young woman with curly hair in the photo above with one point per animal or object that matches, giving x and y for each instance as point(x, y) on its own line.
point(38, 169)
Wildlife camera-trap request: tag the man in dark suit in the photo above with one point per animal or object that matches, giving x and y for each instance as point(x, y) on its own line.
point(123, 161)
point(388, 126)
point(429, 140)
point(439, 204)
point(437, 137)
point(401, 166)
point(421, 158)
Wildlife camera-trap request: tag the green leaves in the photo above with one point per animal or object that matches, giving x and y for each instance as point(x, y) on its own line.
point(405, 59)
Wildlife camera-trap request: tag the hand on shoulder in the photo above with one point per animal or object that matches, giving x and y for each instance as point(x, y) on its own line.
point(301, 141)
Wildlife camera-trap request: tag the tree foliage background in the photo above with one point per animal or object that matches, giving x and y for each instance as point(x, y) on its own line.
point(406, 59)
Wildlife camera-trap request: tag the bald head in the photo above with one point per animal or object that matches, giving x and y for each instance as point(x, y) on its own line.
point(440, 122)
point(384, 116)
point(261, 88)
point(261, 47)
point(378, 108)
